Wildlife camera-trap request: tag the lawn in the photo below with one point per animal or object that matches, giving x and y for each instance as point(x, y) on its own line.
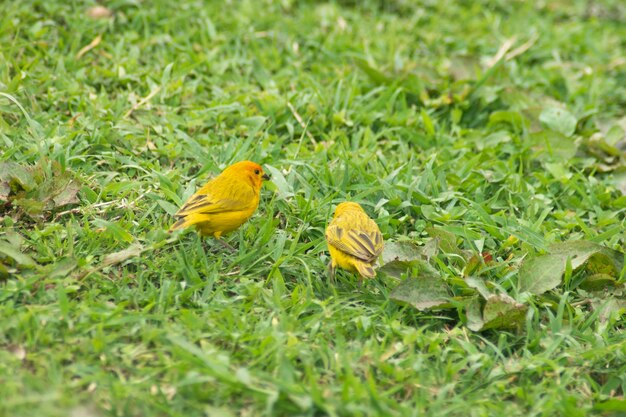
point(486, 139)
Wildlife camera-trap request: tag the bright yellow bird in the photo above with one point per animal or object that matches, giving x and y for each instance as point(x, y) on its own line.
point(354, 241)
point(225, 202)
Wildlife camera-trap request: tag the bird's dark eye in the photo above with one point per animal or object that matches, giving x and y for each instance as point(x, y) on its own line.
point(256, 171)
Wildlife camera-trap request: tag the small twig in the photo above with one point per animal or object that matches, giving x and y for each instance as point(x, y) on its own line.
point(522, 48)
point(301, 122)
point(226, 245)
point(73, 119)
point(582, 303)
point(143, 101)
point(71, 211)
point(233, 272)
point(501, 52)
point(133, 252)
point(89, 47)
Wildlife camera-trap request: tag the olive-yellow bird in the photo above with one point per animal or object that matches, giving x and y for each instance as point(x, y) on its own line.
point(354, 241)
point(225, 202)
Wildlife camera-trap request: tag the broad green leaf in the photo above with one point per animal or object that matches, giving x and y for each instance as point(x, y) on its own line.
point(5, 190)
point(498, 312)
point(491, 140)
point(503, 312)
point(612, 308)
point(474, 315)
point(169, 208)
point(401, 251)
point(543, 273)
point(429, 126)
point(67, 195)
point(602, 259)
point(613, 404)
point(4, 271)
point(116, 231)
point(447, 241)
point(399, 257)
point(285, 190)
point(614, 135)
point(479, 285)
point(513, 118)
point(424, 290)
point(597, 282)
point(374, 74)
point(14, 177)
point(554, 145)
point(62, 268)
point(14, 253)
point(218, 411)
point(558, 170)
point(558, 120)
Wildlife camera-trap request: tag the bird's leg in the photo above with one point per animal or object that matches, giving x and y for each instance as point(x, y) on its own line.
point(226, 245)
point(331, 272)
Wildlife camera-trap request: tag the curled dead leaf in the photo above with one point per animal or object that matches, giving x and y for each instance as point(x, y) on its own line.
point(99, 12)
point(123, 255)
point(89, 47)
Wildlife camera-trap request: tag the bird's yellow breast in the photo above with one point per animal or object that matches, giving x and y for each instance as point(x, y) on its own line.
point(342, 259)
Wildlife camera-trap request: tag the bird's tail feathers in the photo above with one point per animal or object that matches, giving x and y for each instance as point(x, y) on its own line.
point(180, 224)
point(190, 220)
point(366, 270)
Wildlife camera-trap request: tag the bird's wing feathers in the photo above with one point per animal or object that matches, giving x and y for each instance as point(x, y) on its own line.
point(206, 204)
point(210, 200)
point(362, 240)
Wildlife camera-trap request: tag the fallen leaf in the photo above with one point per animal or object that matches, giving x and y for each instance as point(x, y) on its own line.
point(553, 145)
point(543, 273)
point(447, 240)
point(18, 351)
point(13, 178)
point(609, 308)
point(499, 312)
point(69, 195)
point(611, 405)
point(620, 182)
point(479, 285)
point(38, 188)
point(558, 120)
point(399, 257)
point(473, 314)
point(99, 12)
point(374, 74)
point(95, 42)
point(278, 179)
point(123, 255)
point(503, 312)
point(401, 251)
point(5, 190)
point(4, 271)
point(424, 290)
point(63, 268)
point(513, 118)
point(597, 282)
point(14, 253)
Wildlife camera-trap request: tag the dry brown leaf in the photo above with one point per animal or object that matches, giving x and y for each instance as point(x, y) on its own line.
point(18, 351)
point(69, 195)
point(99, 12)
point(89, 47)
point(123, 255)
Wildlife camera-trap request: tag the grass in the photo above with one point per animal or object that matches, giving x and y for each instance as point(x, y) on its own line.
point(418, 110)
